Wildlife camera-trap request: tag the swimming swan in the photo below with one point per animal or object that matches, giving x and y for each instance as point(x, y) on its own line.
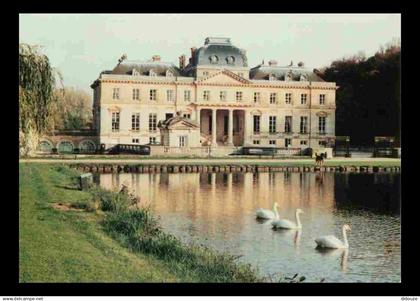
point(332, 242)
point(286, 224)
point(268, 214)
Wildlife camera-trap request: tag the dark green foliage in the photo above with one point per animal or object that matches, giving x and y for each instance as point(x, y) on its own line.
point(368, 100)
point(138, 230)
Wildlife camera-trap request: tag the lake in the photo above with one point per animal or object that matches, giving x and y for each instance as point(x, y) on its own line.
point(218, 210)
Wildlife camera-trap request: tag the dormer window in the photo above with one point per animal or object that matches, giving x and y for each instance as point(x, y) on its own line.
point(214, 59)
point(169, 73)
point(303, 77)
point(230, 60)
point(272, 77)
point(288, 76)
point(152, 73)
point(135, 72)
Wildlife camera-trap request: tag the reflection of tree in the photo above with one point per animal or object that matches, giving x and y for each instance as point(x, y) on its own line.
point(370, 191)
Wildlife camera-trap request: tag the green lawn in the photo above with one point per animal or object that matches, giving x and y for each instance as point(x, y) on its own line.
point(58, 246)
point(118, 244)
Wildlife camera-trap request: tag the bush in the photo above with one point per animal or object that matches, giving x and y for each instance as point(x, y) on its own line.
point(140, 231)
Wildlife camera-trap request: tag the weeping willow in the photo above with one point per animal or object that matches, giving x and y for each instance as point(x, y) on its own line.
point(36, 97)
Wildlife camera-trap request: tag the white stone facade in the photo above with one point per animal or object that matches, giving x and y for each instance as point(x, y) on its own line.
point(231, 107)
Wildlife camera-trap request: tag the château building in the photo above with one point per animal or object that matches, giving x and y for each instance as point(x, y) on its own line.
point(217, 95)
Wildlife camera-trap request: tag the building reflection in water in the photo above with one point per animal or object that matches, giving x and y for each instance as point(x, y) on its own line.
point(212, 198)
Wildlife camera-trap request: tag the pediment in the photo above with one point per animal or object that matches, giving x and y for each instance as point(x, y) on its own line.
point(182, 125)
point(224, 77)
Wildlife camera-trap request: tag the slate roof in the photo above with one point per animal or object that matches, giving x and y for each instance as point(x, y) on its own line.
point(263, 72)
point(143, 68)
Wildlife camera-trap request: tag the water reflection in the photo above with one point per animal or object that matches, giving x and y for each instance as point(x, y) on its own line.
point(218, 209)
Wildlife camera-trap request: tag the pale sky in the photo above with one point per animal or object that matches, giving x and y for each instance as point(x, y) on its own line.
point(81, 46)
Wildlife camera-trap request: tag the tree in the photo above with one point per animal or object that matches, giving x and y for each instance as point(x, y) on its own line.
point(73, 110)
point(36, 97)
point(368, 100)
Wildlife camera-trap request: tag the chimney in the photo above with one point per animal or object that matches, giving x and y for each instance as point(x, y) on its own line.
point(301, 64)
point(272, 63)
point(156, 58)
point(193, 50)
point(182, 62)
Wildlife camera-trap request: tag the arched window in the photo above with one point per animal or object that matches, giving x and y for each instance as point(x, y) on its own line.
point(213, 59)
point(230, 60)
point(87, 146)
point(45, 146)
point(152, 73)
point(65, 147)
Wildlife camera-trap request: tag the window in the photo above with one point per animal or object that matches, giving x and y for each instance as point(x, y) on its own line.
point(183, 141)
point(272, 124)
point(222, 95)
point(116, 93)
point(288, 124)
point(169, 73)
point(214, 59)
point(273, 98)
point(256, 141)
point(152, 140)
point(287, 142)
point(321, 125)
point(152, 94)
point(272, 142)
point(238, 95)
point(187, 95)
point(115, 121)
point(303, 98)
point(188, 116)
point(288, 98)
point(206, 95)
point(152, 122)
point(136, 94)
point(205, 73)
point(230, 60)
point(272, 77)
point(322, 99)
point(303, 142)
point(256, 124)
point(135, 121)
point(322, 143)
point(303, 124)
point(136, 140)
point(152, 73)
point(257, 97)
point(170, 95)
point(241, 74)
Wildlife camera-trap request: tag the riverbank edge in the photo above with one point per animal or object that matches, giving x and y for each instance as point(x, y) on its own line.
point(112, 165)
point(227, 168)
point(210, 265)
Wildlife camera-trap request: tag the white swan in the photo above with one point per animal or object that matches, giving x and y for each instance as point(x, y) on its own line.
point(332, 242)
point(286, 224)
point(268, 214)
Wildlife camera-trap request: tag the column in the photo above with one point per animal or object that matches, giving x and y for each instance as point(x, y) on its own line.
point(197, 118)
point(230, 128)
point(245, 127)
point(213, 128)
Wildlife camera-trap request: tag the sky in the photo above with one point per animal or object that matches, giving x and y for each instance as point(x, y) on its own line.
point(81, 46)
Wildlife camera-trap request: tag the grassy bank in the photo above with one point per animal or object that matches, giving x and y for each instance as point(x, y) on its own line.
point(96, 236)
